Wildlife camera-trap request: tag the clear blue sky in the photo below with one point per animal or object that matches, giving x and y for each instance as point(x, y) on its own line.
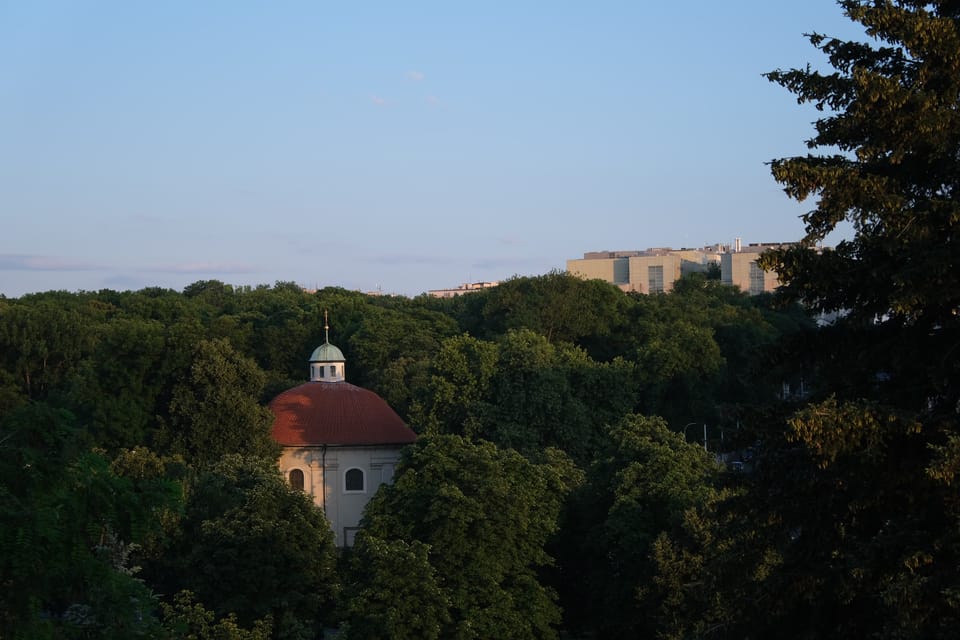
point(400, 145)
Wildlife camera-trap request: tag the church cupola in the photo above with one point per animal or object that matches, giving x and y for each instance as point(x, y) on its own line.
point(327, 363)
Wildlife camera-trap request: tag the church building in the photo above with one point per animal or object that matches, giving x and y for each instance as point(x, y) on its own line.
point(340, 442)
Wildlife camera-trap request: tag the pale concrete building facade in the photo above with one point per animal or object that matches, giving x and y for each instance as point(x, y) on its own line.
point(656, 270)
point(654, 274)
point(739, 268)
point(610, 266)
point(340, 442)
point(653, 270)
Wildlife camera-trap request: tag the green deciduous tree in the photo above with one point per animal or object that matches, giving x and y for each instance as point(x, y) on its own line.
point(41, 341)
point(458, 395)
point(215, 410)
point(70, 523)
point(393, 591)
point(392, 350)
point(187, 619)
point(253, 547)
point(642, 483)
point(547, 395)
point(707, 345)
point(484, 515)
point(559, 306)
point(525, 393)
point(116, 390)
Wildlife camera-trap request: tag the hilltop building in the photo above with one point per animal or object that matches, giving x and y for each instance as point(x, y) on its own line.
point(656, 270)
point(340, 442)
point(739, 268)
point(466, 287)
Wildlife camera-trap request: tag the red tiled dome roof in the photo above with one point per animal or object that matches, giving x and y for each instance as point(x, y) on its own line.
point(336, 413)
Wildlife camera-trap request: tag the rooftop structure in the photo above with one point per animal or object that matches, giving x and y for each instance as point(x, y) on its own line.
point(335, 414)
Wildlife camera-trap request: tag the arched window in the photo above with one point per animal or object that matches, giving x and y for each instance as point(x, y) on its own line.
point(296, 479)
point(353, 480)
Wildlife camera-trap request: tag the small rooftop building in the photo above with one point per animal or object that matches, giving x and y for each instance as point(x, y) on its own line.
point(340, 441)
point(466, 287)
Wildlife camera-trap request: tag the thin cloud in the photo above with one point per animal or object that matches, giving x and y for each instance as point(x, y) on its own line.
point(200, 268)
point(397, 258)
point(416, 76)
point(511, 241)
point(507, 263)
point(125, 282)
point(24, 262)
point(377, 100)
point(302, 248)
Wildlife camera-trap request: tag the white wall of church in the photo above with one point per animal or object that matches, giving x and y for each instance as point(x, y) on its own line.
point(331, 477)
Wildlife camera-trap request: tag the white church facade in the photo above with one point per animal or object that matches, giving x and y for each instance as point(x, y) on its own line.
point(340, 441)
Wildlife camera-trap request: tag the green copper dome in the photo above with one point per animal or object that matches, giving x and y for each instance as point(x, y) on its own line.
point(327, 353)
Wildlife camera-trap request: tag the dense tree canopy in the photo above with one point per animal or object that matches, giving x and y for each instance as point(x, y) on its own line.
point(483, 516)
point(215, 411)
point(70, 523)
point(394, 591)
point(644, 480)
point(525, 393)
point(131, 403)
point(252, 547)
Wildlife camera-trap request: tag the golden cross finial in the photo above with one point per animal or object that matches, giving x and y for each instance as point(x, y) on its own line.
point(326, 328)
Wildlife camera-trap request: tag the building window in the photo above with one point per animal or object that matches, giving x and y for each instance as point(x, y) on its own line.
point(655, 278)
point(756, 279)
point(296, 479)
point(320, 371)
point(333, 371)
point(353, 480)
